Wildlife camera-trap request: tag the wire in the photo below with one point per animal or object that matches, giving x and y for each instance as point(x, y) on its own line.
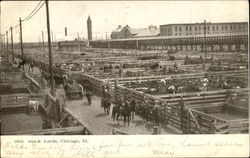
point(17, 25)
point(34, 13)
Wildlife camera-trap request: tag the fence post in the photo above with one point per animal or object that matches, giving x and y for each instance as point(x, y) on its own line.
point(115, 97)
point(58, 110)
point(188, 123)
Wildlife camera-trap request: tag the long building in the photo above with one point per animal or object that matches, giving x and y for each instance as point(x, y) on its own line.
point(181, 30)
point(196, 29)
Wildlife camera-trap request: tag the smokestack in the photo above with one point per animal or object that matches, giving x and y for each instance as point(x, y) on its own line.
point(65, 31)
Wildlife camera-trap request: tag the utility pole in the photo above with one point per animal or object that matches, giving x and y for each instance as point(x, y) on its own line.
point(39, 43)
point(205, 49)
point(3, 41)
point(52, 91)
point(21, 40)
point(7, 42)
point(43, 44)
point(12, 46)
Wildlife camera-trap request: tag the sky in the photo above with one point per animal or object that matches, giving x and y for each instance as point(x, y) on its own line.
point(107, 15)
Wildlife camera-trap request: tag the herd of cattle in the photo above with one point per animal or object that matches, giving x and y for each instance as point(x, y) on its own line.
point(167, 86)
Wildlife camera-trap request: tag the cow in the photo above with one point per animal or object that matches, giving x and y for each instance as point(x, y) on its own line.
point(33, 105)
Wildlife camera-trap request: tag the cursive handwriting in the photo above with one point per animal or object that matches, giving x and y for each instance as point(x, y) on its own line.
point(158, 147)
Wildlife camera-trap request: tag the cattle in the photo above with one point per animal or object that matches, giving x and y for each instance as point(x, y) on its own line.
point(33, 105)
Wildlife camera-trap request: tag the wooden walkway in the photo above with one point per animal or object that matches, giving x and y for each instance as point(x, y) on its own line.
point(93, 118)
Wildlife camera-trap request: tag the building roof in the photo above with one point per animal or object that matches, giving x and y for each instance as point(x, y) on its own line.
point(118, 29)
point(208, 23)
point(142, 32)
point(174, 37)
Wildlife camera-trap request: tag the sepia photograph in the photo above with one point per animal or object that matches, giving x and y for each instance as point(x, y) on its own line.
point(137, 68)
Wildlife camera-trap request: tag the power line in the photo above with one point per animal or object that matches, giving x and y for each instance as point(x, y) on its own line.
point(33, 11)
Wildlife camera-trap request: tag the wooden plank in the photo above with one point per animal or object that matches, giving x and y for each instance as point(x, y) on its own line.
point(54, 131)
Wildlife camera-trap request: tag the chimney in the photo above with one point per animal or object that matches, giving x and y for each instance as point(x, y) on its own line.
point(65, 31)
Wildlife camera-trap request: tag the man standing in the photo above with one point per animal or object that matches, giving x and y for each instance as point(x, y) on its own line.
point(31, 67)
point(89, 96)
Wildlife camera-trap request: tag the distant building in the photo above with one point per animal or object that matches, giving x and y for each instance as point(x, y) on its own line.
point(196, 29)
point(127, 32)
point(89, 26)
point(72, 46)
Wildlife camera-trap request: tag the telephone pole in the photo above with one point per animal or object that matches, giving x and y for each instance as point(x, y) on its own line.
point(12, 46)
point(52, 91)
point(7, 42)
point(43, 44)
point(3, 37)
point(21, 39)
point(39, 43)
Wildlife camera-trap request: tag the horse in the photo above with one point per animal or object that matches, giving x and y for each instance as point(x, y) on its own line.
point(125, 111)
point(106, 105)
point(116, 113)
point(21, 64)
point(145, 112)
point(132, 109)
point(157, 113)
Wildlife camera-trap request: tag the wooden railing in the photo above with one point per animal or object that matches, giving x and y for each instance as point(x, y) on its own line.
point(194, 121)
point(55, 131)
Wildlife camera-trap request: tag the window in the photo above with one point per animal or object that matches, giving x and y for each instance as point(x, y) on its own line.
point(180, 34)
point(195, 28)
point(213, 28)
point(225, 27)
point(231, 27)
point(179, 28)
point(187, 34)
point(234, 27)
point(176, 34)
point(190, 28)
point(222, 27)
point(199, 28)
point(175, 29)
point(208, 28)
point(217, 28)
point(243, 27)
point(239, 27)
point(186, 28)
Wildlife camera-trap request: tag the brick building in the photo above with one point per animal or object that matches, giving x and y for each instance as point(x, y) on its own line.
point(197, 29)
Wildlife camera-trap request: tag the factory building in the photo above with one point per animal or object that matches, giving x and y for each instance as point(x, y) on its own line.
point(197, 29)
